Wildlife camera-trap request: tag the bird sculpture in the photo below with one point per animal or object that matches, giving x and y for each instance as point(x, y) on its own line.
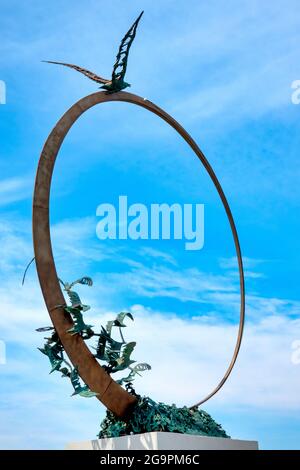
point(52, 348)
point(117, 82)
point(77, 308)
point(82, 390)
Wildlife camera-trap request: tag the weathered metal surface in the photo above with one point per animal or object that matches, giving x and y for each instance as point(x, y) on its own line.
point(114, 397)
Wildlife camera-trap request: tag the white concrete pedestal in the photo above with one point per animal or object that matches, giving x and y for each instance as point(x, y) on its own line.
point(164, 441)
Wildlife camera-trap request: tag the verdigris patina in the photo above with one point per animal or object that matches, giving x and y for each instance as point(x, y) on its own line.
point(115, 356)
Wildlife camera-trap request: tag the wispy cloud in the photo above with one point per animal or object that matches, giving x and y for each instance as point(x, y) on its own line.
point(224, 68)
point(192, 354)
point(160, 281)
point(190, 360)
point(249, 263)
point(196, 354)
point(14, 190)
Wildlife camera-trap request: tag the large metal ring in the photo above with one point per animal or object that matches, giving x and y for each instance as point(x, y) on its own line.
point(112, 395)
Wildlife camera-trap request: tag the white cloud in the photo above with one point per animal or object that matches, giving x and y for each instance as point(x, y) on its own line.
point(248, 54)
point(14, 190)
point(249, 263)
point(239, 65)
point(160, 281)
point(188, 355)
point(188, 358)
point(151, 253)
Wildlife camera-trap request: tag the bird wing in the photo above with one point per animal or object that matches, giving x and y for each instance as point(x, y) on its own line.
point(44, 328)
point(113, 345)
point(87, 281)
point(124, 361)
point(85, 72)
point(119, 321)
point(100, 348)
point(120, 65)
point(74, 298)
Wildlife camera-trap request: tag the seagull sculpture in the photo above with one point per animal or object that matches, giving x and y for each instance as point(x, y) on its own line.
point(116, 83)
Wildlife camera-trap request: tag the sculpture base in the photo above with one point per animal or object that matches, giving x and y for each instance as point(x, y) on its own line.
point(164, 441)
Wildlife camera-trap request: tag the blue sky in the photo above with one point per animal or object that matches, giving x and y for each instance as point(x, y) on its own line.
point(224, 70)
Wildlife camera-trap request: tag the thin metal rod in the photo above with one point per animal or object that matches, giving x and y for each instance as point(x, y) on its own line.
point(26, 269)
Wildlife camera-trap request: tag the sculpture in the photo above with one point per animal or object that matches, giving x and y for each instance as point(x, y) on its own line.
point(116, 83)
point(147, 415)
point(127, 411)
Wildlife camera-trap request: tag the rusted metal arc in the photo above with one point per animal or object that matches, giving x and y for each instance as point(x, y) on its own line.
point(114, 397)
point(190, 141)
